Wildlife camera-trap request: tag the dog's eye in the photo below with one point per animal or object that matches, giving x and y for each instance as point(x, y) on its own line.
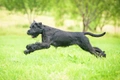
point(36, 23)
point(32, 26)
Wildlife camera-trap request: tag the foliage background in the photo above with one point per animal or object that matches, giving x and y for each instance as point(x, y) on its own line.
point(92, 13)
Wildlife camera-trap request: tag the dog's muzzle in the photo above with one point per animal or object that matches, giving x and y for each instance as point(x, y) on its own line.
point(32, 34)
point(28, 32)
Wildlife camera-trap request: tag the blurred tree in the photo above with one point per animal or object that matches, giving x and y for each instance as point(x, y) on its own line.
point(58, 11)
point(97, 13)
point(31, 7)
point(5, 3)
point(90, 11)
point(1, 3)
point(114, 11)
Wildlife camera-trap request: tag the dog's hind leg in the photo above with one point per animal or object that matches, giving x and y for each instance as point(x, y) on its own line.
point(90, 49)
point(100, 52)
point(85, 45)
point(93, 50)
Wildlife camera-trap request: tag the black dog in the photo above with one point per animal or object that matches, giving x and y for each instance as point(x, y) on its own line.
point(59, 38)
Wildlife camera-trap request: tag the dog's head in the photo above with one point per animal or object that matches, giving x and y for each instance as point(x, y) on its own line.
point(35, 29)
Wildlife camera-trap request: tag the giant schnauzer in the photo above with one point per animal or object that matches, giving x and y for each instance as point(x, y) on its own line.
point(60, 38)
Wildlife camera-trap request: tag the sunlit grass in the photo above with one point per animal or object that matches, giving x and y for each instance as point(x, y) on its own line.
point(70, 63)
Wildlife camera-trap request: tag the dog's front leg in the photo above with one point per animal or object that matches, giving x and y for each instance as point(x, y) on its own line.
point(29, 48)
point(36, 46)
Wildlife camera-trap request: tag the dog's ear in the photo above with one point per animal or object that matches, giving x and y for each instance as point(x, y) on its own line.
point(34, 21)
point(40, 23)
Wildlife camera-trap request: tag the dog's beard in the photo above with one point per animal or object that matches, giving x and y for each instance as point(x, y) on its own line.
point(34, 35)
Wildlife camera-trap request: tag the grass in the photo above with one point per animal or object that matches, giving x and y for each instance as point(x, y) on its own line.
point(70, 63)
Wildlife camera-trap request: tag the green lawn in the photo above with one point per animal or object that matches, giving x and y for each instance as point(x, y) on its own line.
point(70, 63)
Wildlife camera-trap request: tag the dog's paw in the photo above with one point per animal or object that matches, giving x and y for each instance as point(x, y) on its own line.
point(28, 46)
point(103, 54)
point(31, 47)
point(26, 52)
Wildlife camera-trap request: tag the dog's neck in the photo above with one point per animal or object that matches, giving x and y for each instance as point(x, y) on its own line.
point(44, 33)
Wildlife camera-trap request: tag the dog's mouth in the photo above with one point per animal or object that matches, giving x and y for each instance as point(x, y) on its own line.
point(34, 35)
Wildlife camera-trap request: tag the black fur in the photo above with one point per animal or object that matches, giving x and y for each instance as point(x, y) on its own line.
point(59, 38)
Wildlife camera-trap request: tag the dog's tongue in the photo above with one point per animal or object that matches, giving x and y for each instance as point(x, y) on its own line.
point(32, 36)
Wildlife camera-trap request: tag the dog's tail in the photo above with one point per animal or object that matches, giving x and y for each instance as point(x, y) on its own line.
point(94, 35)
